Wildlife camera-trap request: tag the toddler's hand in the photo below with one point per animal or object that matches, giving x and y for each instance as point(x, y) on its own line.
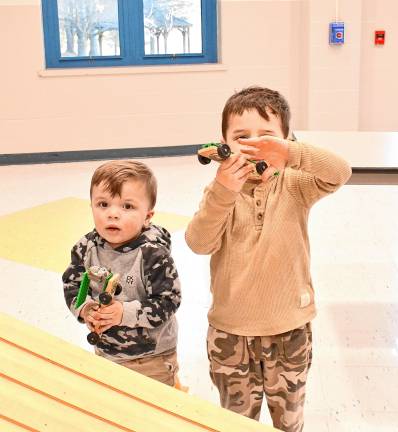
point(233, 172)
point(273, 150)
point(85, 314)
point(106, 316)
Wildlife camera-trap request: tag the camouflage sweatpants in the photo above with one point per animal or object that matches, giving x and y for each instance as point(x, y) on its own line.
point(243, 368)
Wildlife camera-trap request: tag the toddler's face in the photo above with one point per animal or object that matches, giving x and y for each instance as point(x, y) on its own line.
point(120, 219)
point(251, 125)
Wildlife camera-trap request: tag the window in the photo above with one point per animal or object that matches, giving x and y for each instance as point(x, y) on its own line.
point(98, 33)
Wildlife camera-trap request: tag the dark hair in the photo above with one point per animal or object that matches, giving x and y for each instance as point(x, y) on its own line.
point(114, 173)
point(261, 99)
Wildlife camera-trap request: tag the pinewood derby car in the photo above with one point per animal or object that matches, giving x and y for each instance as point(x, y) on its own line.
point(219, 152)
point(110, 288)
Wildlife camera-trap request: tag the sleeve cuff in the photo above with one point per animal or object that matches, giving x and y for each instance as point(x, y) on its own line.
point(130, 313)
point(222, 193)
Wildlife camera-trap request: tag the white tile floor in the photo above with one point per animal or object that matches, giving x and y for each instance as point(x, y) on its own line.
point(353, 384)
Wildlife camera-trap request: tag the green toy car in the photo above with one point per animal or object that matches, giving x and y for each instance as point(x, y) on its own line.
point(110, 288)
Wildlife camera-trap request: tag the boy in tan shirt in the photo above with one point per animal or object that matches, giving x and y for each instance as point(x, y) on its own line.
point(259, 337)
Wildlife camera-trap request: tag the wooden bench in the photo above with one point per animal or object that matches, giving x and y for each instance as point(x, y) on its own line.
point(47, 384)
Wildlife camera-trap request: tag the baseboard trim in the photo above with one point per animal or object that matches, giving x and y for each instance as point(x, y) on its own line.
point(90, 155)
point(375, 170)
point(373, 178)
point(362, 175)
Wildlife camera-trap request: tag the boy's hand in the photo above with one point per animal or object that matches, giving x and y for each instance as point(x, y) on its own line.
point(106, 317)
point(100, 319)
point(233, 172)
point(273, 150)
point(85, 313)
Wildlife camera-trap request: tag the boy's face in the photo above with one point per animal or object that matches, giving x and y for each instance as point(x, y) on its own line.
point(120, 219)
point(251, 125)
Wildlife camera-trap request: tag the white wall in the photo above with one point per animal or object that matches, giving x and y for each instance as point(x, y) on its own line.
point(282, 44)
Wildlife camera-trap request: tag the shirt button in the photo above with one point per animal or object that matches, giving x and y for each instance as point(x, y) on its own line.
point(259, 216)
point(258, 203)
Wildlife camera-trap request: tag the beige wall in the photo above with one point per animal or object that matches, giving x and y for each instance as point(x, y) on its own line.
point(379, 66)
point(280, 44)
point(333, 70)
point(353, 87)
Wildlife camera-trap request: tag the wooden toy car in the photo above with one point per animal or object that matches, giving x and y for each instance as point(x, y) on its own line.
point(110, 288)
point(219, 152)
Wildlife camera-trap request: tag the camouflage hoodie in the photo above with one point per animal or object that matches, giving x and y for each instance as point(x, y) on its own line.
point(150, 292)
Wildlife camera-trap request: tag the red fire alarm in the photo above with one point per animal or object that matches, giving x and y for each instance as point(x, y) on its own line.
point(380, 36)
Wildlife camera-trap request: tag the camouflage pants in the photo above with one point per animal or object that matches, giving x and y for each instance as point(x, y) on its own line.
point(244, 368)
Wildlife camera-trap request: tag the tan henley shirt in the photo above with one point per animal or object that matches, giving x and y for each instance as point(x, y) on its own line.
point(258, 239)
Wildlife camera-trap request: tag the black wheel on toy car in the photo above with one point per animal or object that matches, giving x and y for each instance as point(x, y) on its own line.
point(203, 160)
point(93, 338)
point(224, 151)
point(118, 289)
point(105, 298)
point(261, 167)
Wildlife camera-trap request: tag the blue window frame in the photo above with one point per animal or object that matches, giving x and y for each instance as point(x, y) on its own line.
point(100, 33)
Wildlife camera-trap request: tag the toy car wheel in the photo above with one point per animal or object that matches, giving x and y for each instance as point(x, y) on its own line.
point(203, 160)
point(118, 289)
point(261, 167)
point(224, 151)
point(105, 298)
point(93, 338)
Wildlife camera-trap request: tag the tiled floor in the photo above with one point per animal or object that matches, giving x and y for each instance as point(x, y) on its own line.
point(353, 384)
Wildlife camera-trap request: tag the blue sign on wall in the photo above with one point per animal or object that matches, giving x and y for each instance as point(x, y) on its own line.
point(336, 33)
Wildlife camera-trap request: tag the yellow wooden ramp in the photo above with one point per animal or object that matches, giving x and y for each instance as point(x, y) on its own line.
point(47, 384)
